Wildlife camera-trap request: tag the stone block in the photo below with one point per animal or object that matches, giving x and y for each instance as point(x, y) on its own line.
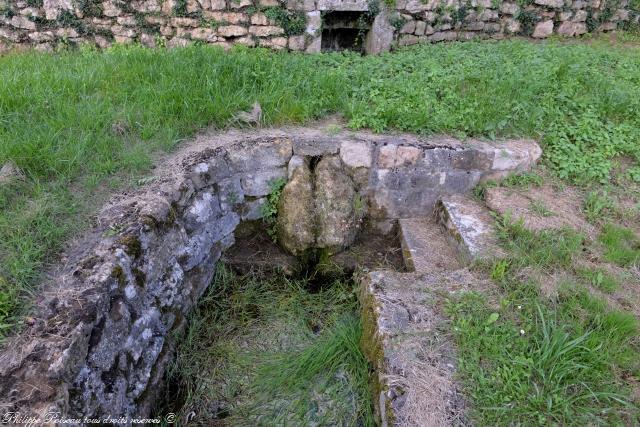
point(265, 154)
point(572, 29)
point(239, 4)
point(265, 31)
point(550, 3)
point(318, 146)
point(543, 30)
point(412, 362)
point(469, 159)
point(259, 19)
point(232, 31)
point(297, 43)
point(23, 22)
point(274, 43)
point(393, 156)
point(252, 209)
point(343, 5)
point(356, 154)
point(200, 245)
point(461, 181)
point(425, 247)
point(470, 227)
point(260, 183)
point(204, 209)
point(229, 17)
point(204, 34)
point(230, 193)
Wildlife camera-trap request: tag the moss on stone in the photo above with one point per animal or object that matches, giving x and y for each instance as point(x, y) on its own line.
point(132, 245)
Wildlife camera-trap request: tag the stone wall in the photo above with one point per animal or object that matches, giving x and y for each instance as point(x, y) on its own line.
point(104, 327)
point(297, 24)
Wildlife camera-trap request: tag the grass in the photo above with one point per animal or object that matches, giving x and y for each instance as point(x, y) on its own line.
point(83, 123)
point(265, 351)
point(597, 206)
point(621, 245)
point(600, 279)
point(531, 360)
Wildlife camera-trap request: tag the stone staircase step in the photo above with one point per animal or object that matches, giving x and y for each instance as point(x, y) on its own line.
point(425, 247)
point(405, 337)
point(469, 227)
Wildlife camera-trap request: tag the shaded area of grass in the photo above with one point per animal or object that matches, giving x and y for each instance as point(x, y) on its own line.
point(267, 352)
point(84, 122)
point(534, 360)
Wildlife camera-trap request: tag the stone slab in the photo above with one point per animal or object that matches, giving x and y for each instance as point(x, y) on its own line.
point(425, 247)
point(413, 359)
point(469, 227)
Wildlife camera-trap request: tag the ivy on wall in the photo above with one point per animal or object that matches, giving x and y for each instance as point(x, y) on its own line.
point(293, 22)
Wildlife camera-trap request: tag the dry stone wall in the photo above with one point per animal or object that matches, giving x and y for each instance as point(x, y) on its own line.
point(104, 328)
point(299, 25)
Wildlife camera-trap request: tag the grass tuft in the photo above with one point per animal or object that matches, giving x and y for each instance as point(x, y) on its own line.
point(621, 245)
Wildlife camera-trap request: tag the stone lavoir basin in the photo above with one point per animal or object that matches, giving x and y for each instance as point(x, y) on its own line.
point(102, 335)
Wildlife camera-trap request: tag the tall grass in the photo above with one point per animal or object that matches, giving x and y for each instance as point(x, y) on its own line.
point(266, 351)
point(83, 123)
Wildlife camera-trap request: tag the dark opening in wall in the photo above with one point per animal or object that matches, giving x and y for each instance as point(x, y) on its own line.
point(344, 30)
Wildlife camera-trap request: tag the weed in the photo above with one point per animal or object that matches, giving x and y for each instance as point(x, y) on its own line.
point(499, 270)
point(269, 209)
point(396, 21)
point(540, 208)
point(541, 249)
point(523, 180)
point(479, 191)
point(597, 206)
point(621, 245)
point(600, 279)
point(528, 21)
point(292, 22)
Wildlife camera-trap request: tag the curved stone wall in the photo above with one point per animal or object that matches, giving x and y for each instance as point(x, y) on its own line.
point(300, 25)
point(102, 331)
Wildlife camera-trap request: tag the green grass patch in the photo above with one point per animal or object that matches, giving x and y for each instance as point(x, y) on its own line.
point(544, 249)
point(597, 206)
point(523, 180)
point(539, 361)
point(528, 364)
point(621, 245)
point(83, 122)
point(265, 351)
point(600, 279)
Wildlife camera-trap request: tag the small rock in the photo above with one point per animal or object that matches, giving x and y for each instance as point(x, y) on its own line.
point(10, 172)
point(252, 117)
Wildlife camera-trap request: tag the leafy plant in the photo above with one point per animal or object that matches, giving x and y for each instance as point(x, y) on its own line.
point(528, 20)
point(597, 206)
point(269, 209)
point(293, 22)
point(523, 180)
